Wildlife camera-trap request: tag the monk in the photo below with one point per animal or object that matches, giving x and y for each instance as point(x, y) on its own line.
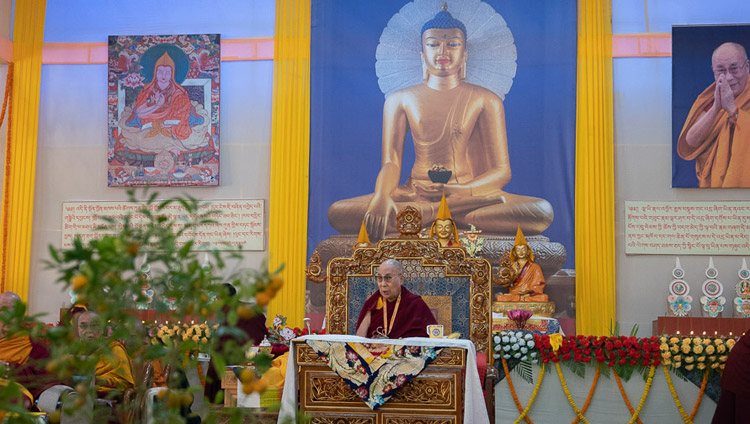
point(735, 390)
point(254, 328)
point(393, 312)
point(114, 371)
point(163, 117)
point(164, 103)
point(717, 130)
point(443, 228)
point(22, 354)
point(452, 122)
point(526, 277)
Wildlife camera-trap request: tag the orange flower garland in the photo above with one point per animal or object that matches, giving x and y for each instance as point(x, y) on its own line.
point(625, 396)
point(700, 396)
point(591, 394)
point(685, 417)
point(568, 395)
point(513, 393)
point(635, 413)
point(8, 89)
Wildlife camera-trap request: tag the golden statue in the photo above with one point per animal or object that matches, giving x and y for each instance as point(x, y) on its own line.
point(521, 275)
point(444, 228)
point(453, 123)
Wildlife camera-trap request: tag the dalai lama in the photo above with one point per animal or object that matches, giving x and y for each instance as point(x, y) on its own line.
point(393, 312)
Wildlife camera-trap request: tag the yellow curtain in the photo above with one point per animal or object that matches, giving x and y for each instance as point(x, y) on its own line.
point(594, 186)
point(20, 153)
point(290, 156)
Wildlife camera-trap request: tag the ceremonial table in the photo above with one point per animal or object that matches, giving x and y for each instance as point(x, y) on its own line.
point(700, 326)
point(448, 390)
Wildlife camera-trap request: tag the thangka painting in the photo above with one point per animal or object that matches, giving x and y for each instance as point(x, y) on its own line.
point(163, 101)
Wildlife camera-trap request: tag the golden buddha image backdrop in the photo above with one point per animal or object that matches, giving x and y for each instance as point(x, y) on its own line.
point(710, 106)
point(474, 100)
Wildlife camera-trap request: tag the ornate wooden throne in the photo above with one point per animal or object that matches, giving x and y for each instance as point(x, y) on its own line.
point(457, 290)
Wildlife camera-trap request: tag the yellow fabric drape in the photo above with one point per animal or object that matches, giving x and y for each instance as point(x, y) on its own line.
point(290, 157)
point(20, 153)
point(594, 186)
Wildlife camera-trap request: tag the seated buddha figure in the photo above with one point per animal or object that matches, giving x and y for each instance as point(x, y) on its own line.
point(453, 123)
point(521, 275)
point(443, 228)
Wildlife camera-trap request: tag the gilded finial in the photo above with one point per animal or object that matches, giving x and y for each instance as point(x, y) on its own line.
point(444, 7)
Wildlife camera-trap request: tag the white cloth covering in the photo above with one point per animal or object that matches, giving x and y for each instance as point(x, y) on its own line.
point(475, 410)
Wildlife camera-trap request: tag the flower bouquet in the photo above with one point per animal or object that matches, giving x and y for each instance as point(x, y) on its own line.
point(515, 344)
point(698, 353)
point(279, 333)
point(520, 317)
point(170, 335)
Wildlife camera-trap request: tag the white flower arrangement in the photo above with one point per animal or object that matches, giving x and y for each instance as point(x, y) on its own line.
point(515, 344)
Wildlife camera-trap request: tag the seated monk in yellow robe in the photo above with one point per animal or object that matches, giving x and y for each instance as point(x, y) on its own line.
point(717, 130)
point(23, 355)
point(528, 283)
point(114, 371)
point(393, 311)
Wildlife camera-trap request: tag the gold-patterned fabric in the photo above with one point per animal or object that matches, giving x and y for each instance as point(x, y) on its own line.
point(374, 371)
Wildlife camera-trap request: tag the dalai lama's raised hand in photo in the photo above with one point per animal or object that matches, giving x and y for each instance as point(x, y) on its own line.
point(393, 312)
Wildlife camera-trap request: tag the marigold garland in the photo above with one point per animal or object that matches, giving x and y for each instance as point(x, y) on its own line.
point(646, 390)
point(524, 412)
point(700, 396)
point(567, 393)
point(688, 419)
point(8, 89)
point(513, 393)
point(625, 396)
point(591, 394)
point(8, 101)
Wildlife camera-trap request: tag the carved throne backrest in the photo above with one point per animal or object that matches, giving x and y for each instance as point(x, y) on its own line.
point(455, 286)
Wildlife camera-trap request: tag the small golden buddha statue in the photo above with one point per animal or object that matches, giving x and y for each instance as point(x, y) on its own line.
point(443, 228)
point(521, 275)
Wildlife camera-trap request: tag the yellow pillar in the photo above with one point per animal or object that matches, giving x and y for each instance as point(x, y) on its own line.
point(594, 185)
point(290, 157)
point(20, 153)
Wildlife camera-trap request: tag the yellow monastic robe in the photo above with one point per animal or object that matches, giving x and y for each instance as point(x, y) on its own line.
point(531, 278)
point(114, 370)
point(275, 375)
point(15, 350)
point(721, 159)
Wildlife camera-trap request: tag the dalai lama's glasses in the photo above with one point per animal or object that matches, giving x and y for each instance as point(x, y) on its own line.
point(386, 278)
point(734, 70)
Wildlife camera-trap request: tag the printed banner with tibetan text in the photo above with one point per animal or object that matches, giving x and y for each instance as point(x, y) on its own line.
point(239, 223)
point(687, 228)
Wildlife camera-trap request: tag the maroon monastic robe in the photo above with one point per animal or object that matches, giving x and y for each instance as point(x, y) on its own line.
point(735, 386)
point(412, 318)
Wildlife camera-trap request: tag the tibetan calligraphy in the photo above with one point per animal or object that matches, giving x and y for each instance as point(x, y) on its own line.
point(238, 223)
point(687, 228)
